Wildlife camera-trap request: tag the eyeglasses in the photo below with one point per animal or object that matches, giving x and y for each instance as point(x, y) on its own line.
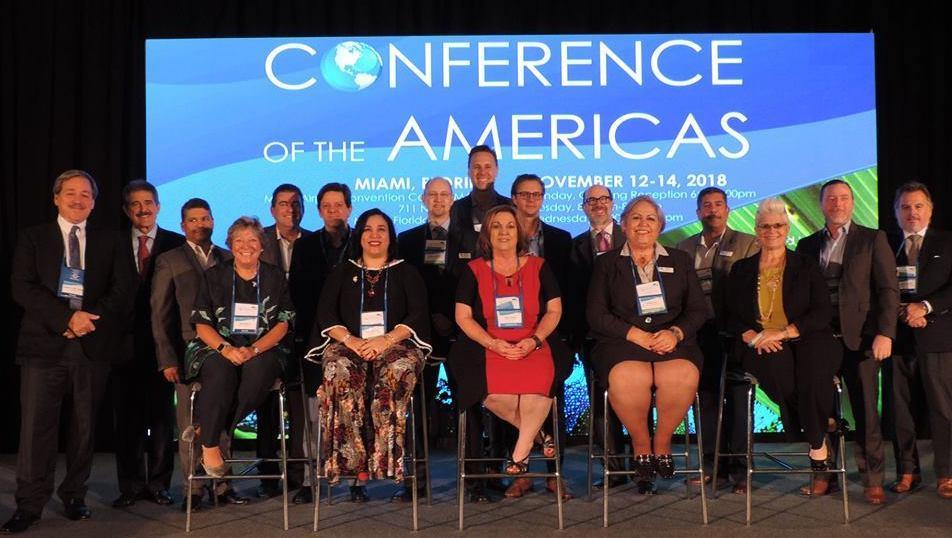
point(529, 195)
point(598, 200)
point(775, 226)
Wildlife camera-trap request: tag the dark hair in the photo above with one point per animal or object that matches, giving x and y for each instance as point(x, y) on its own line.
point(357, 250)
point(286, 187)
point(195, 203)
point(710, 190)
point(482, 148)
point(484, 246)
point(334, 187)
point(70, 174)
point(832, 182)
point(522, 178)
point(138, 185)
point(911, 186)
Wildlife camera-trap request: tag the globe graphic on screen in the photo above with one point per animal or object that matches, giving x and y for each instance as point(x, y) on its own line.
point(351, 66)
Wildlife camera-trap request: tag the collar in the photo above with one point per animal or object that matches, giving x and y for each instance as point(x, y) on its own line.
point(65, 225)
point(922, 233)
point(150, 234)
point(194, 246)
point(658, 249)
point(845, 228)
point(608, 228)
point(391, 263)
point(445, 224)
point(277, 233)
point(720, 238)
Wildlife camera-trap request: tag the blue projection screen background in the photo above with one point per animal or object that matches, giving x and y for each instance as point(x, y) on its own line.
point(758, 115)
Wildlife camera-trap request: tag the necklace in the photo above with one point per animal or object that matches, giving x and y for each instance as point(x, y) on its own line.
point(509, 274)
point(372, 280)
point(769, 279)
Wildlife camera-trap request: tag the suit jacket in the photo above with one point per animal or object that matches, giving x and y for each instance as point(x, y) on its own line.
point(733, 247)
point(869, 290)
point(178, 275)
point(806, 299)
point(557, 251)
point(272, 250)
point(440, 284)
point(461, 221)
point(138, 344)
point(933, 284)
point(107, 291)
point(582, 261)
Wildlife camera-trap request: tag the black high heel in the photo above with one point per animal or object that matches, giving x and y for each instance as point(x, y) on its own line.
point(515, 468)
point(664, 465)
point(643, 466)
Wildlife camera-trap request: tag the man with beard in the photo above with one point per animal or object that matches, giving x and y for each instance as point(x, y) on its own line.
point(715, 249)
point(142, 398)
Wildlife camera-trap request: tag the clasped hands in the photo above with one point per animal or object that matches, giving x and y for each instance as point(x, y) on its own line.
point(511, 351)
point(767, 340)
point(367, 348)
point(80, 324)
point(914, 315)
point(660, 342)
point(238, 355)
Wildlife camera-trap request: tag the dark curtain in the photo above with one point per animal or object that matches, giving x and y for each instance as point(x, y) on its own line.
point(72, 84)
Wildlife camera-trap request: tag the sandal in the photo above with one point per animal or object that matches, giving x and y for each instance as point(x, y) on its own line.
point(514, 468)
point(547, 442)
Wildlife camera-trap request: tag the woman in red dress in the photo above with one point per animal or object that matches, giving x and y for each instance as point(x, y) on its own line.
point(508, 305)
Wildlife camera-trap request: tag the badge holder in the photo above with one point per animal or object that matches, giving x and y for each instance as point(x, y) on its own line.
point(908, 277)
point(508, 308)
point(244, 316)
point(70, 286)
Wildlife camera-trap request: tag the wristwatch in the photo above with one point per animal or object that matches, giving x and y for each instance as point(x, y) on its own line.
point(538, 341)
point(221, 347)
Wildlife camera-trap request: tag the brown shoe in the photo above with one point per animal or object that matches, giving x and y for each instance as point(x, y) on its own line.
point(566, 492)
point(874, 495)
point(906, 483)
point(944, 488)
point(519, 487)
point(822, 485)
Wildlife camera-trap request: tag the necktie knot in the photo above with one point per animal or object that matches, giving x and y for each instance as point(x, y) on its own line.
point(915, 243)
point(604, 241)
point(439, 232)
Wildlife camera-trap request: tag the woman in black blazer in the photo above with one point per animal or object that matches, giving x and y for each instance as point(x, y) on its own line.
point(645, 305)
point(779, 309)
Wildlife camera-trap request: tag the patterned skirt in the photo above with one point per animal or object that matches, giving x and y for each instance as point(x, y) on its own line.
point(351, 444)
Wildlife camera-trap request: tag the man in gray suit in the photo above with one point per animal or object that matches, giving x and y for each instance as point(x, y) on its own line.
point(178, 273)
point(715, 249)
point(860, 271)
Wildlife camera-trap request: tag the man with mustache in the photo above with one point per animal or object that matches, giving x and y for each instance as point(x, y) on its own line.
point(75, 286)
point(715, 249)
point(142, 398)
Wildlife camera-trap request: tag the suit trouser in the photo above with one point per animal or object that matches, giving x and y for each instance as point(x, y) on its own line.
point(229, 393)
point(616, 439)
point(733, 430)
point(861, 373)
point(143, 414)
point(43, 390)
point(937, 382)
point(182, 394)
point(903, 403)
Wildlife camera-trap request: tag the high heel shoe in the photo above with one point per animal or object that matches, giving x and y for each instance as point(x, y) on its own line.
point(515, 468)
point(643, 466)
point(824, 464)
point(664, 465)
point(547, 443)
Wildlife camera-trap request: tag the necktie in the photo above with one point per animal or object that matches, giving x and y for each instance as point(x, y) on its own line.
point(202, 259)
point(604, 242)
point(915, 242)
point(439, 233)
point(143, 253)
point(75, 262)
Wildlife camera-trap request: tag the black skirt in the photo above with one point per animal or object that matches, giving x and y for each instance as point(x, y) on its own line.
point(608, 353)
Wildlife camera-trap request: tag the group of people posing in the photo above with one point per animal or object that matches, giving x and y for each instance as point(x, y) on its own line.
point(507, 300)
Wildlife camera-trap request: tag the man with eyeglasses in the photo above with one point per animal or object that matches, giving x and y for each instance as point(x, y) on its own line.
point(860, 272)
point(715, 249)
point(553, 245)
point(279, 239)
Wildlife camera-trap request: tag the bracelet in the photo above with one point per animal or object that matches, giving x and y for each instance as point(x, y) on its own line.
point(754, 340)
point(538, 341)
point(390, 339)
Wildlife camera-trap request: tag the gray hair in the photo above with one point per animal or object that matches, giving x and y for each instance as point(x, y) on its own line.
point(911, 186)
point(772, 206)
point(644, 198)
point(245, 223)
point(70, 174)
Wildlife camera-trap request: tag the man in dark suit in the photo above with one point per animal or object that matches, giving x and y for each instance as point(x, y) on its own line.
point(75, 287)
point(715, 249)
point(287, 209)
point(433, 249)
point(466, 214)
point(142, 399)
point(920, 366)
point(860, 271)
point(553, 245)
point(178, 274)
point(313, 259)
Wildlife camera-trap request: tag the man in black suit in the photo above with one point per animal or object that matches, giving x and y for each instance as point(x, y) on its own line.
point(433, 249)
point(603, 235)
point(75, 286)
point(923, 349)
point(287, 209)
point(142, 398)
point(553, 245)
point(313, 259)
point(860, 271)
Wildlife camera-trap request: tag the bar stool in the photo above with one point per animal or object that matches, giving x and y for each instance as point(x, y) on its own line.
point(593, 455)
point(686, 455)
point(462, 460)
point(776, 457)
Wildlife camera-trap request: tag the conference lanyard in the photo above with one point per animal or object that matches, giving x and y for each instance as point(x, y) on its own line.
point(508, 308)
point(373, 323)
point(244, 316)
point(70, 285)
point(343, 245)
point(649, 298)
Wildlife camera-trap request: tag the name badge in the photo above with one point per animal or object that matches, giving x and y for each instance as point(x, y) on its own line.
point(907, 275)
point(71, 283)
point(727, 253)
point(372, 324)
point(434, 253)
point(650, 298)
point(665, 269)
point(245, 319)
point(465, 255)
point(509, 312)
point(477, 227)
point(706, 276)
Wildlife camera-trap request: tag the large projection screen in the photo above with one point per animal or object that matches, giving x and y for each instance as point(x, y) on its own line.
point(757, 115)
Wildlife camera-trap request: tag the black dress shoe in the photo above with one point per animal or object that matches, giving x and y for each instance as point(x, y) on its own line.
point(478, 495)
point(405, 495)
point(196, 503)
point(125, 500)
point(77, 510)
point(230, 497)
point(358, 494)
point(267, 491)
point(20, 522)
point(646, 487)
point(161, 497)
point(643, 466)
point(613, 481)
point(664, 465)
point(303, 496)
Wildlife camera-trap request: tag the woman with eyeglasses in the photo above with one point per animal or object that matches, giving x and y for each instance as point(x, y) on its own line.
point(780, 311)
point(645, 305)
